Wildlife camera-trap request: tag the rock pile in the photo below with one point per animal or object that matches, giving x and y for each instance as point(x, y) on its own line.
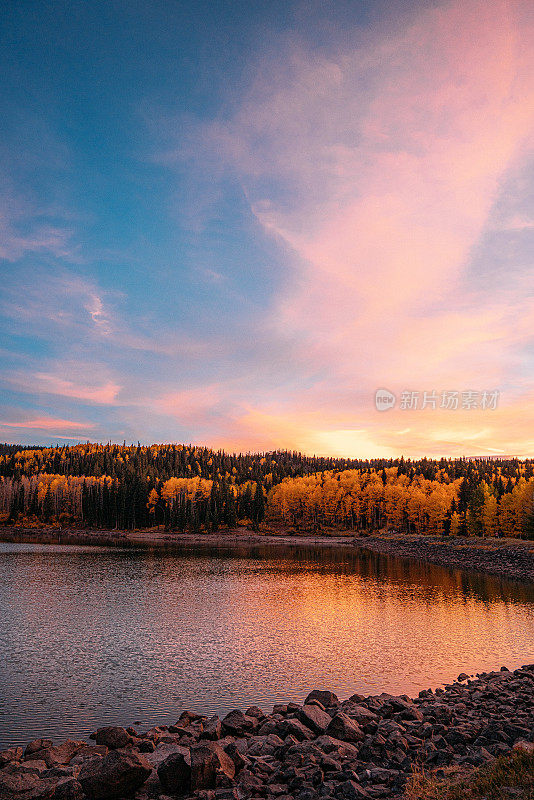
point(363, 747)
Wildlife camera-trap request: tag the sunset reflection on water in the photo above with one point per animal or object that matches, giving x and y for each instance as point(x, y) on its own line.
point(94, 636)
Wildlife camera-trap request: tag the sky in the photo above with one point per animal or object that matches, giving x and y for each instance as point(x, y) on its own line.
point(230, 223)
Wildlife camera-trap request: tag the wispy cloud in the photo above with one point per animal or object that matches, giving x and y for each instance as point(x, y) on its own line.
point(47, 424)
point(105, 393)
point(377, 168)
point(28, 229)
point(519, 223)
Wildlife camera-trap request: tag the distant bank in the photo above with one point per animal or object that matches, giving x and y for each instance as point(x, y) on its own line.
point(508, 558)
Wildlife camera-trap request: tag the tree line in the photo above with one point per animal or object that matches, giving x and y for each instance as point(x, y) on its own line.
point(183, 487)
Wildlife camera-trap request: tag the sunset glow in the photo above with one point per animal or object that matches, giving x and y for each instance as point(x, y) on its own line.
point(232, 230)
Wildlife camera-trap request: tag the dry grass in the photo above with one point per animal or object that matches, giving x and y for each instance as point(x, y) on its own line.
point(510, 777)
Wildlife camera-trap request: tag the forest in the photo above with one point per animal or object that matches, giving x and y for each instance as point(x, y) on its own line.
point(187, 488)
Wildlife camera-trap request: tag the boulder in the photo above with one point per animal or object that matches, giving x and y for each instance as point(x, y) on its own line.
point(175, 773)
point(187, 717)
point(159, 732)
point(293, 727)
point(280, 708)
point(212, 729)
point(249, 784)
point(11, 754)
point(343, 727)
point(36, 745)
point(264, 745)
point(88, 751)
point(120, 772)
point(254, 711)
point(25, 786)
point(324, 697)
point(360, 714)
point(238, 723)
point(336, 748)
point(210, 767)
point(60, 754)
point(145, 746)
point(240, 759)
point(350, 790)
point(314, 718)
point(32, 767)
point(114, 737)
point(163, 751)
point(68, 789)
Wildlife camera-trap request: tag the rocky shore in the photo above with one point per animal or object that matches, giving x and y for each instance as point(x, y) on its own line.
point(363, 747)
point(508, 558)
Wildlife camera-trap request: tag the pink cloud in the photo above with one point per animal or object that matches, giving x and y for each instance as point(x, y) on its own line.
point(190, 405)
point(106, 393)
point(47, 423)
point(389, 157)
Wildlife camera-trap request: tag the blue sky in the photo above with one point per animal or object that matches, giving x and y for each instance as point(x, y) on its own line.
point(230, 223)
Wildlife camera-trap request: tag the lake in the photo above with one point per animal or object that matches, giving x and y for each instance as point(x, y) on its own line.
point(92, 636)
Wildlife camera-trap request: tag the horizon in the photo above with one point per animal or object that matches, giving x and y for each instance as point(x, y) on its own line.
point(303, 226)
point(401, 457)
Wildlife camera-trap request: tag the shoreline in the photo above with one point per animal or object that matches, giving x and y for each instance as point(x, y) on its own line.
point(512, 559)
point(361, 748)
point(322, 749)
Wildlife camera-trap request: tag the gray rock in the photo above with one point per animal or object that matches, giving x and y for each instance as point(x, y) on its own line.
point(343, 727)
point(293, 727)
point(34, 766)
point(24, 786)
point(212, 729)
point(350, 790)
point(336, 748)
point(36, 745)
point(175, 773)
point(254, 711)
point(114, 737)
point(324, 697)
point(11, 754)
point(238, 723)
point(314, 718)
point(210, 765)
point(87, 752)
point(68, 789)
point(119, 773)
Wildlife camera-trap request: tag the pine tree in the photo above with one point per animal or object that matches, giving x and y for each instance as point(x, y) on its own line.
point(258, 506)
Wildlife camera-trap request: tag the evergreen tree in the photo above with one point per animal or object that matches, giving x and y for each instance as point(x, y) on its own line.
point(258, 506)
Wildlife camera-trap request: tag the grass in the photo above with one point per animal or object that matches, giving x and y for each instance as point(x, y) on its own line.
point(509, 777)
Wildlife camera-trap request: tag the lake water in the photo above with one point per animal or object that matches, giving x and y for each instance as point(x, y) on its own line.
point(96, 636)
